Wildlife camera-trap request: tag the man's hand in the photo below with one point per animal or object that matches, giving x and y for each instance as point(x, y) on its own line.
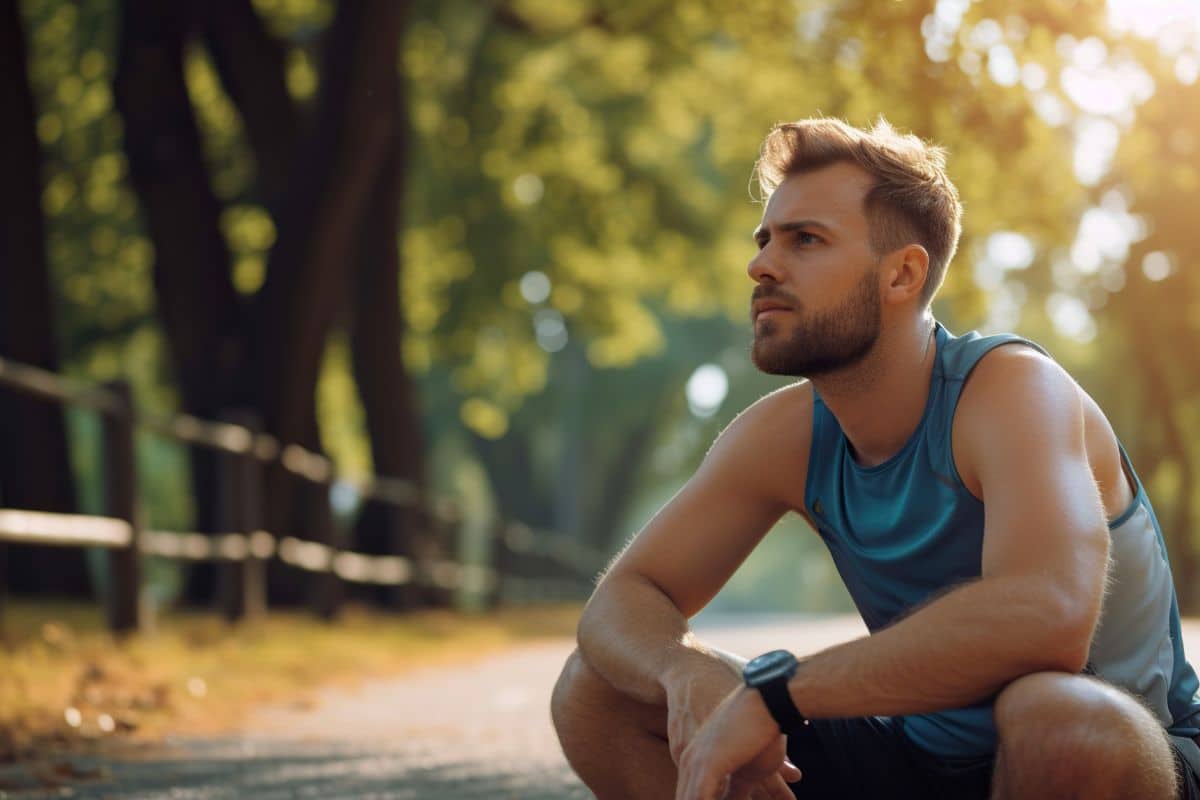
point(738, 754)
point(694, 702)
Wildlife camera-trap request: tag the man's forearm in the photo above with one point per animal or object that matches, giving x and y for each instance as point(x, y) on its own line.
point(635, 637)
point(959, 649)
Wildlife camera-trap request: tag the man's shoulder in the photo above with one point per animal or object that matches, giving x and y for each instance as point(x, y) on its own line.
point(770, 440)
point(778, 416)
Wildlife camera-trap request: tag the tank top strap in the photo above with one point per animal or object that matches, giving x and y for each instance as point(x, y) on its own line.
point(957, 358)
point(958, 355)
point(827, 448)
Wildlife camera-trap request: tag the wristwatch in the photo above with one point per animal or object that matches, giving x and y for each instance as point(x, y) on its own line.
point(769, 673)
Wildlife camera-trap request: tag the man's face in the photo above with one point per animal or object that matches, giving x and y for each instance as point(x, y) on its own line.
point(816, 308)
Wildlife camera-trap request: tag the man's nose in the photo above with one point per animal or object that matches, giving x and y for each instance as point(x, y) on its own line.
point(763, 267)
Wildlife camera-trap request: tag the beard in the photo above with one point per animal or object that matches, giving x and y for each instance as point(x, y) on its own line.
point(825, 343)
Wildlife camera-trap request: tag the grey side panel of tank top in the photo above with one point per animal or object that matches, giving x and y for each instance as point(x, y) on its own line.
point(1132, 646)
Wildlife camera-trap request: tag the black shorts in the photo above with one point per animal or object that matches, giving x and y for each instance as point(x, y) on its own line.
point(1188, 769)
point(846, 759)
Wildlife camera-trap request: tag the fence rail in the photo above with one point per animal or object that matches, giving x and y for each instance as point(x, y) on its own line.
point(245, 549)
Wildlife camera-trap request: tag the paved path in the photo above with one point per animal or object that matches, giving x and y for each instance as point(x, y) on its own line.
point(469, 732)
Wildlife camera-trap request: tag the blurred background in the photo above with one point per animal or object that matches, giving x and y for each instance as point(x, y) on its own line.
point(495, 252)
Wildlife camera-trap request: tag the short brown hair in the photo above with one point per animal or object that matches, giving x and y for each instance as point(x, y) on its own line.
point(912, 200)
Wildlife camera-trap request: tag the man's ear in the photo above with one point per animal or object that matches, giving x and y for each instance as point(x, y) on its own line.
point(908, 269)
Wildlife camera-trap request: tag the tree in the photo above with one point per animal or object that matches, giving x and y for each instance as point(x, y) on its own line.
point(1156, 171)
point(35, 469)
point(571, 178)
point(263, 352)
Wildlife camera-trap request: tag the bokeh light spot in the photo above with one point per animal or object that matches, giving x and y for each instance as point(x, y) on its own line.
point(706, 390)
point(1156, 265)
point(535, 287)
point(528, 189)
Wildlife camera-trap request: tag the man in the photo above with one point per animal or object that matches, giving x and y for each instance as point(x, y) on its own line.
point(1024, 629)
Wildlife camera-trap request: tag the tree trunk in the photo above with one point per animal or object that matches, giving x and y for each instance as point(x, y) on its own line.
point(270, 358)
point(200, 310)
point(308, 285)
point(574, 454)
point(35, 467)
point(250, 63)
point(510, 469)
point(618, 484)
point(385, 388)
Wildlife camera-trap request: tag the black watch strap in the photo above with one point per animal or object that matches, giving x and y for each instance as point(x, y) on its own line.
point(779, 702)
point(770, 673)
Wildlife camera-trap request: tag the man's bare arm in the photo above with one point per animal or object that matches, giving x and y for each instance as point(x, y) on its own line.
point(1045, 557)
point(634, 630)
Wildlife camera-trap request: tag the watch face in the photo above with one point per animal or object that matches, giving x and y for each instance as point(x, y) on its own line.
point(769, 666)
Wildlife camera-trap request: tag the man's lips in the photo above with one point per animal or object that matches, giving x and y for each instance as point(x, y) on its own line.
point(768, 306)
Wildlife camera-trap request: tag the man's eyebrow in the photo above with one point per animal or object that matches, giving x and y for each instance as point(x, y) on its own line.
point(794, 225)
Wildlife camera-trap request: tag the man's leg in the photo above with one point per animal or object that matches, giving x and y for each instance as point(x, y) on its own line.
point(617, 745)
point(1070, 736)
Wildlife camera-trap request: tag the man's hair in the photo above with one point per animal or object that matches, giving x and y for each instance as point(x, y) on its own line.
point(912, 200)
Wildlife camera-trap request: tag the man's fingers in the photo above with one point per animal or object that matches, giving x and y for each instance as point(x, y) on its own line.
point(730, 787)
point(790, 772)
point(778, 789)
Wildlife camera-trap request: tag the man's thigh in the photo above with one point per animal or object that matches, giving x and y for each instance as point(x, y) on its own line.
point(871, 757)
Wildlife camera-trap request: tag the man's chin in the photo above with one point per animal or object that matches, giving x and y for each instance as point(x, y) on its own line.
point(770, 362)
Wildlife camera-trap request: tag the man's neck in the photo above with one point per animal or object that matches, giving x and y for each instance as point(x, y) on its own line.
point(880, 401)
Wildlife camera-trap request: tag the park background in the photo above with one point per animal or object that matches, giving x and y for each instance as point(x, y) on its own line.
point(497, 249)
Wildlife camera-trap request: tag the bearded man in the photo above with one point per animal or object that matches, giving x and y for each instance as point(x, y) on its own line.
point(1024, 630)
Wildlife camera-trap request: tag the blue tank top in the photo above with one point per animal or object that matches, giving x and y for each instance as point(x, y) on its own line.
point(908, 529)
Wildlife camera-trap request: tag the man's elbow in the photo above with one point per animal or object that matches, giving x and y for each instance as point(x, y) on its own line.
point(590, 617)
point(608, 599)
point(1077, 605)
point(1074, 625)
point(1073, 655)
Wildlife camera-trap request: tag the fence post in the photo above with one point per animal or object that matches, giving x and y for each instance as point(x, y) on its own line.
point(501, 558)
point(328, 591)
point(443, 532)
point(400, 522)
point(120, 492)
point(3, 592)
point(414, 539)
point(242, 588)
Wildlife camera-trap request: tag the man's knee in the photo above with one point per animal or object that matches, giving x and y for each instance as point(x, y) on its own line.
point(584, 703)
point(616, 744)
point(570, 691)
point(1042, 696)
point(581, 697)
point(1045, 702)
point(1058, 727)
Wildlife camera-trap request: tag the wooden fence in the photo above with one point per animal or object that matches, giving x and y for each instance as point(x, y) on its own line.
point(525, 565)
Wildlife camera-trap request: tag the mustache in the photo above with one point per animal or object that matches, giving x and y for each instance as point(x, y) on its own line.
point(768, 292)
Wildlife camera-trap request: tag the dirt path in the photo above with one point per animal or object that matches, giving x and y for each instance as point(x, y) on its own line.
point(479, 730)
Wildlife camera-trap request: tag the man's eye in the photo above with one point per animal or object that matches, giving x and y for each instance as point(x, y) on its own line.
point(804, 237)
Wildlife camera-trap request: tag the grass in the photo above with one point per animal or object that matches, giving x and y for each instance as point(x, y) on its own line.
point(66, 683)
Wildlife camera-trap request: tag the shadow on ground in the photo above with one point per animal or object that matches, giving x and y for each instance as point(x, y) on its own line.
point(273, 770)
